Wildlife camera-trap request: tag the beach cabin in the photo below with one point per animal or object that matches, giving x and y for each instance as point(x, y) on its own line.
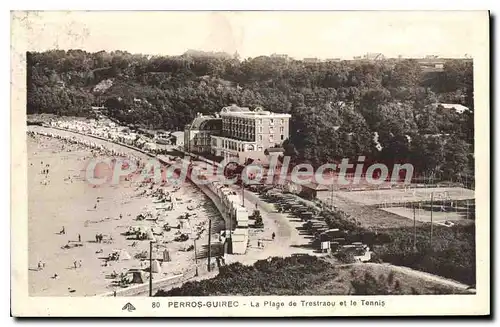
point(241, 214)
point(239, 240)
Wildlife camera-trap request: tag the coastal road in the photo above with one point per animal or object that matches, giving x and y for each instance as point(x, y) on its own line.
point(288, 240)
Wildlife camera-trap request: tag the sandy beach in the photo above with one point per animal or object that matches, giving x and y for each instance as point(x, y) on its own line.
point(73, 263)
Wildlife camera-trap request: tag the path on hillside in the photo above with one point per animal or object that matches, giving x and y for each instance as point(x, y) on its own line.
point(414, 273)
point(426, 276)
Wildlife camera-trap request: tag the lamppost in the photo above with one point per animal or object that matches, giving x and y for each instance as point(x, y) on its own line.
point(150, 268)
point(193, 234)
point(195, 257)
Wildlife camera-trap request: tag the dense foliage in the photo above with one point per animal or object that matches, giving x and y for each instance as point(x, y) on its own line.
point(359, 98)
point(305, 275)
point(451, 255)
point(276, 276)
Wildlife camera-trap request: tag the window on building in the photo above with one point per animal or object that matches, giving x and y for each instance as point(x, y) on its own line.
point(271, 138)
point(260, 129)
point(271, 121)
point(260, 137)
point(282, 121)
point(271, 130)
point(282, 129)
point(282, 137)
point(259, 121)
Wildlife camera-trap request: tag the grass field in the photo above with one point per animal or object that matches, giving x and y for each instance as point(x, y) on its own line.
point(425, 215)
point(380, 197)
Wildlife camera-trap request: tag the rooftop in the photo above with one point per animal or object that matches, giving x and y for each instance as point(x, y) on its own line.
point(456, 106)
point(203, 122)
point(237, 111)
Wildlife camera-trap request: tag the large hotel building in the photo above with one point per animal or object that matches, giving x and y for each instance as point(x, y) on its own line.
point(244, 133)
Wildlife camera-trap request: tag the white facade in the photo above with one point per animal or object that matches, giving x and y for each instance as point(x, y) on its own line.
point(245, 131)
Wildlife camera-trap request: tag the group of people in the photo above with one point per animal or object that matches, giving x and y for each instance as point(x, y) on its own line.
point(45, 170)
point(98, 238)
point(41, 265)
point(260, 243)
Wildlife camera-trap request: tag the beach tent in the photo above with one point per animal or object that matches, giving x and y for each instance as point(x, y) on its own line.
point(185, 225)
point(155, 267)
point(150, 236)
point(166, 256)
point(124, 255)
point(138, 276)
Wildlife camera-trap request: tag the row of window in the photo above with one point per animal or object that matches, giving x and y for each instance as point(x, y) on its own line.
point(271, 121)
point(201, 141)
point(248, 122)
point(271, 138)
point(271, 129)
point(250, 130)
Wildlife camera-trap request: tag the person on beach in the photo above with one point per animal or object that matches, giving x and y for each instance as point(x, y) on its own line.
point(40, 265)
point(273, 236)
point(75, 264)
point(63, 231)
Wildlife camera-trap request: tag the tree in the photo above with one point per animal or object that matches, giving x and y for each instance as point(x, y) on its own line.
point(456, 153)
point(336, 107)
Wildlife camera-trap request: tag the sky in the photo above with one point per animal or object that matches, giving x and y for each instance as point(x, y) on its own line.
point(298, 34)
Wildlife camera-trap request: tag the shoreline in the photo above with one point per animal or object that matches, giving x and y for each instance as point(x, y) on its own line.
point(184, 260)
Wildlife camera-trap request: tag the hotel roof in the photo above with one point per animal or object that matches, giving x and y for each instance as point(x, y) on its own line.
point(201, 122)
point(237, 111)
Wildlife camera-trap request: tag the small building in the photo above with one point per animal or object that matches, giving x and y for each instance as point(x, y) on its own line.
point(374, 56)
point(197, 135)
point(311, 190)
point(239, 241)
point(455, 106)
point(178, 139)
